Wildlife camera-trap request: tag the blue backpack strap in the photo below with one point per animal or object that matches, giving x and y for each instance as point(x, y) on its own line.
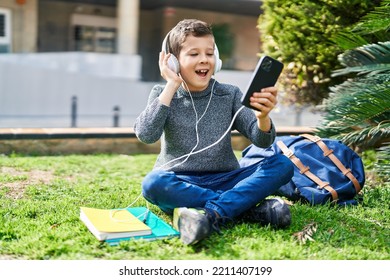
point(306, 170)
point(329, 153)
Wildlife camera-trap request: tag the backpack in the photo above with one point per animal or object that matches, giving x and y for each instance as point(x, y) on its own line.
point(325, 170)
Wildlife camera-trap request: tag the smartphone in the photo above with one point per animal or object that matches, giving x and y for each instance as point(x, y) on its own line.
point(265, 75)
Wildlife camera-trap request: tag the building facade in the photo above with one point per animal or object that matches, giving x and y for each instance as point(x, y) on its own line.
point(131, 27)
point(95, 59)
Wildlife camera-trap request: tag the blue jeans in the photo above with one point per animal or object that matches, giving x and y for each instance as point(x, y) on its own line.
point(229, 193)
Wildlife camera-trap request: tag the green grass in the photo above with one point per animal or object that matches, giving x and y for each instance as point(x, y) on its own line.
point(41, 196)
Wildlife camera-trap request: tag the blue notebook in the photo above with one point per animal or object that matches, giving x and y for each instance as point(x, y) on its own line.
point(160, 229)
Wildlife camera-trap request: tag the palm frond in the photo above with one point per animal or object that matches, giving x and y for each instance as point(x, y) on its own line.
point(383, 164)
point(370, 70)
point(348, 40)
point(367, 55)
point(355, 102)
point(358, 111)
point(375, 21)
point(366, 137)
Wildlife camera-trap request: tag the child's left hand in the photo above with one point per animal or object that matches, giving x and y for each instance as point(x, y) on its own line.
point(265, 101)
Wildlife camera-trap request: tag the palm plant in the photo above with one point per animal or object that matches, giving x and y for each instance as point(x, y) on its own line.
point(358, 110)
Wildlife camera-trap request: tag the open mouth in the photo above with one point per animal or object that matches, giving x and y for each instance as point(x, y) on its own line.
point(202, 73)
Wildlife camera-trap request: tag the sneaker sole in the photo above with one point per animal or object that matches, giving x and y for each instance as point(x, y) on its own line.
point(193, 226)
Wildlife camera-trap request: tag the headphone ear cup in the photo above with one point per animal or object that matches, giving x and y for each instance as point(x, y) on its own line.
point(173, 64)
point(218, 65)
point(218, 61)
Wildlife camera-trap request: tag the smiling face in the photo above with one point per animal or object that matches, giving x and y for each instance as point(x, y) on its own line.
point(197, 61)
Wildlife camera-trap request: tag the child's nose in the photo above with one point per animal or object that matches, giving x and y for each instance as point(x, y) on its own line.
point(204, 58)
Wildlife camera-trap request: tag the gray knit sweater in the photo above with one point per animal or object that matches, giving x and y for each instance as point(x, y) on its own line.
point(176, 127)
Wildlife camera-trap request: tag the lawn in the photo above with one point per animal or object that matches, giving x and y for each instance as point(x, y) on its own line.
point(41, 198)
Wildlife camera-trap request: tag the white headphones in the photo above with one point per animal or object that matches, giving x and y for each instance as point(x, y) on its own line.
point(173, 62)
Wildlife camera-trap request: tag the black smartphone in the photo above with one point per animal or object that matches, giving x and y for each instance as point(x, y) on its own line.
point(265, 75)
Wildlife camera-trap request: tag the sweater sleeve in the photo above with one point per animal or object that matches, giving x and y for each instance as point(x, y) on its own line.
point(149, 125)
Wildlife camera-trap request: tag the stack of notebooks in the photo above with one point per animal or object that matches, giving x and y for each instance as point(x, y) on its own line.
point(115, 225)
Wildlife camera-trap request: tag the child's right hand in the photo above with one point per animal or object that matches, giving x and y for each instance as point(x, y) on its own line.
point(173, 80)
point(168, 75)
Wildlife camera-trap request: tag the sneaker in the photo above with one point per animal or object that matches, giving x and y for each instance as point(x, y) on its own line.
point(193, 224)
point(274, 212)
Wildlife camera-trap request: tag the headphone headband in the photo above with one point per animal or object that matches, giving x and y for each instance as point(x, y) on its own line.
point(173, 62)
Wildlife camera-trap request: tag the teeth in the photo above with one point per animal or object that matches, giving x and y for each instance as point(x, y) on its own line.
point(202, 71)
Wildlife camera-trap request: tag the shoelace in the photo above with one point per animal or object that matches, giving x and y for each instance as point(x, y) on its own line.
point(216, 221)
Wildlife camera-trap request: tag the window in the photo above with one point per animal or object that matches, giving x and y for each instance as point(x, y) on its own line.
point(93, 33)
point(2, 25)
point(5, 30)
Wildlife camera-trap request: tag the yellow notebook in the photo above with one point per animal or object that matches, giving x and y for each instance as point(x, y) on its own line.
point(112, 223)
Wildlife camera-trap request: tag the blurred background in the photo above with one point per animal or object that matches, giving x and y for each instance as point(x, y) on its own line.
point(92, 63)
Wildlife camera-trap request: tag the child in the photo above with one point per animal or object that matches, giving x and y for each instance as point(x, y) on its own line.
point(197, 176)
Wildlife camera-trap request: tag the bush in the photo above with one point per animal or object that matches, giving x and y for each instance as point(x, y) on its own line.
point(300, 33)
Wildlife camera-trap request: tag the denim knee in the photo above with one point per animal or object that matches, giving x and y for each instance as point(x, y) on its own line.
point(152, 184)
point(158, 185)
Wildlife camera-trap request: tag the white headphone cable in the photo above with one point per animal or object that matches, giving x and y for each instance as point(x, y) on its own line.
point(208, 147)
point(196, 125)
point(113, 211)
point(216, 142)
